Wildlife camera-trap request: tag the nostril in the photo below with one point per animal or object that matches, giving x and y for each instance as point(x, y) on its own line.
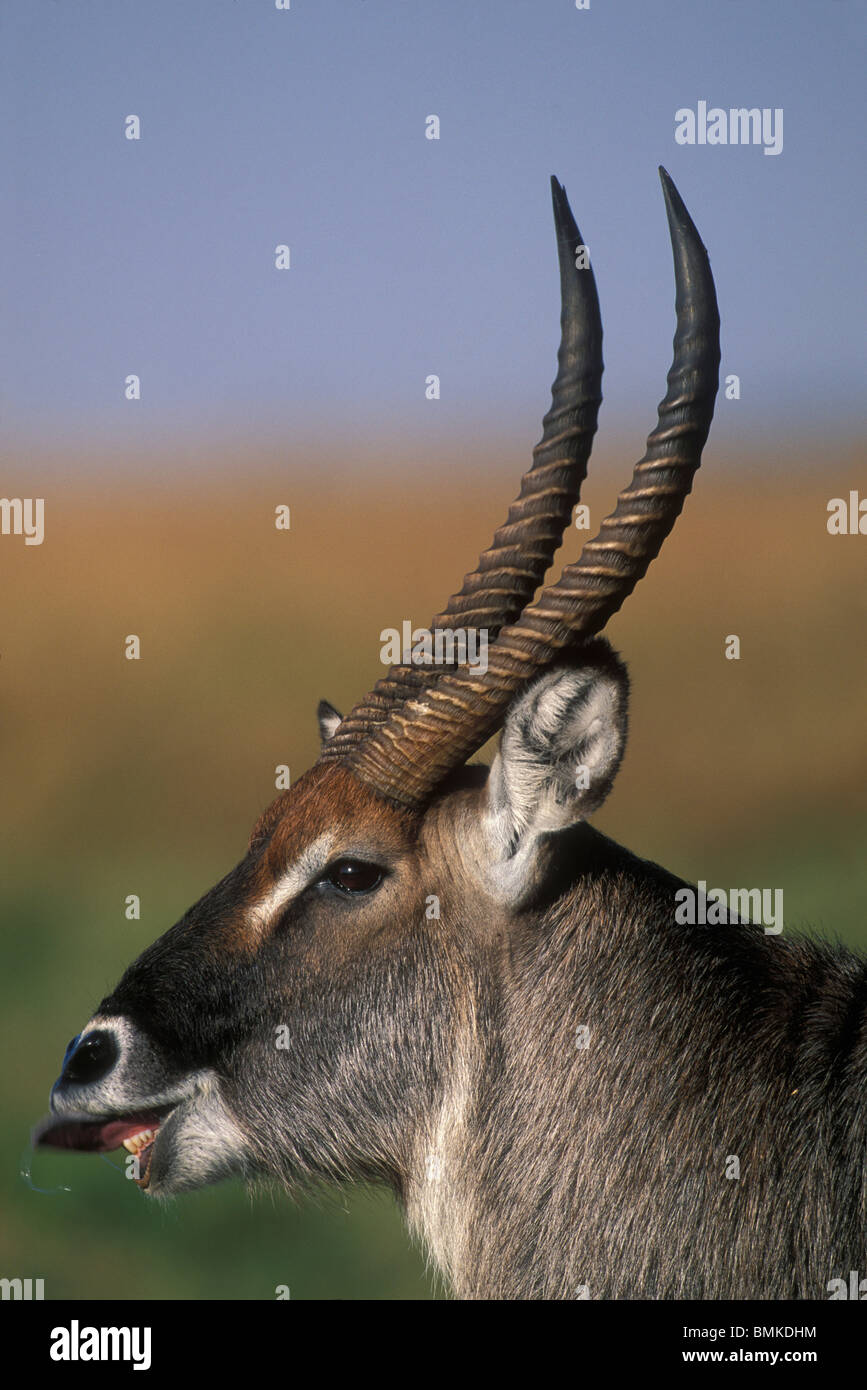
point(89, 1060)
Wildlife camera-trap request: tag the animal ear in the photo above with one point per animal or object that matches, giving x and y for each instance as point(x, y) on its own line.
point(329, 719)
point(560, 749)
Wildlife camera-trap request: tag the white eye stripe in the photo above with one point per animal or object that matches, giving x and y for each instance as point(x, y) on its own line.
point(306, 869)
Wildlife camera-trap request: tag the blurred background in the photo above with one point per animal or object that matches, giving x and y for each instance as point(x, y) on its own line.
point(306, 387)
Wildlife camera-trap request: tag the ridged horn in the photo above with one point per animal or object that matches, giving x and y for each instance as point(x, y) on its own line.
point(509, 573)
point(438, 728)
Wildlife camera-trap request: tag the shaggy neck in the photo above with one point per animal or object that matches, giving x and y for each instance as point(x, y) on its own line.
point(482, 1188)
point(589, 1138)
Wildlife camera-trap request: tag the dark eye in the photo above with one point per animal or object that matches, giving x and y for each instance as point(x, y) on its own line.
point(354, 876)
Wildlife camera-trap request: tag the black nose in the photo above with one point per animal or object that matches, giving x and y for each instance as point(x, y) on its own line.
point(91, 1059)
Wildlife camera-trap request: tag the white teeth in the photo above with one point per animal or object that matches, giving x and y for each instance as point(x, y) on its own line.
point(139, 1141)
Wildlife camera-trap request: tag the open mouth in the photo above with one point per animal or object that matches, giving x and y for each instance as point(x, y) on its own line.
point(136, 1133)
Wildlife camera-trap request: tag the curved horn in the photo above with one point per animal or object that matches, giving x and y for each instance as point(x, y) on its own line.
point(434, 732)
point(508, 574)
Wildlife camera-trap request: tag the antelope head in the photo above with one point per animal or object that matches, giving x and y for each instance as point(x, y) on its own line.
point(329, 1008)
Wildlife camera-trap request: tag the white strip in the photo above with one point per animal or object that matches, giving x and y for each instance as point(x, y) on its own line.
point(306, 869)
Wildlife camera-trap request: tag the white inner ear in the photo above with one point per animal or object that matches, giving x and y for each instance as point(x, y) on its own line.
point(560, 750)
point(329, 720)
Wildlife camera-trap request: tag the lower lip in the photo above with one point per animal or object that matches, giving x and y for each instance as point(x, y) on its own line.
point(146, 1155)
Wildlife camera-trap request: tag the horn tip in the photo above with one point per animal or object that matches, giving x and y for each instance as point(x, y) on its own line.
point(564, 220)
point(674, 204)
point(684, 233)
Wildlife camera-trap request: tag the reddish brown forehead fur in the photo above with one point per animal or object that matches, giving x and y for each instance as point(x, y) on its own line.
point(328, 798)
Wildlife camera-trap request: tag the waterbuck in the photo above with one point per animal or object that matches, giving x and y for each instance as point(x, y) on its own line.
point(439, 977)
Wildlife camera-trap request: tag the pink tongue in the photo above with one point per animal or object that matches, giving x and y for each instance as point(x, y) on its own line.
point(93, 1136)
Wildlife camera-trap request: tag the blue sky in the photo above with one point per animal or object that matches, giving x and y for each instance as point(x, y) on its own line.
point(410, 256)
